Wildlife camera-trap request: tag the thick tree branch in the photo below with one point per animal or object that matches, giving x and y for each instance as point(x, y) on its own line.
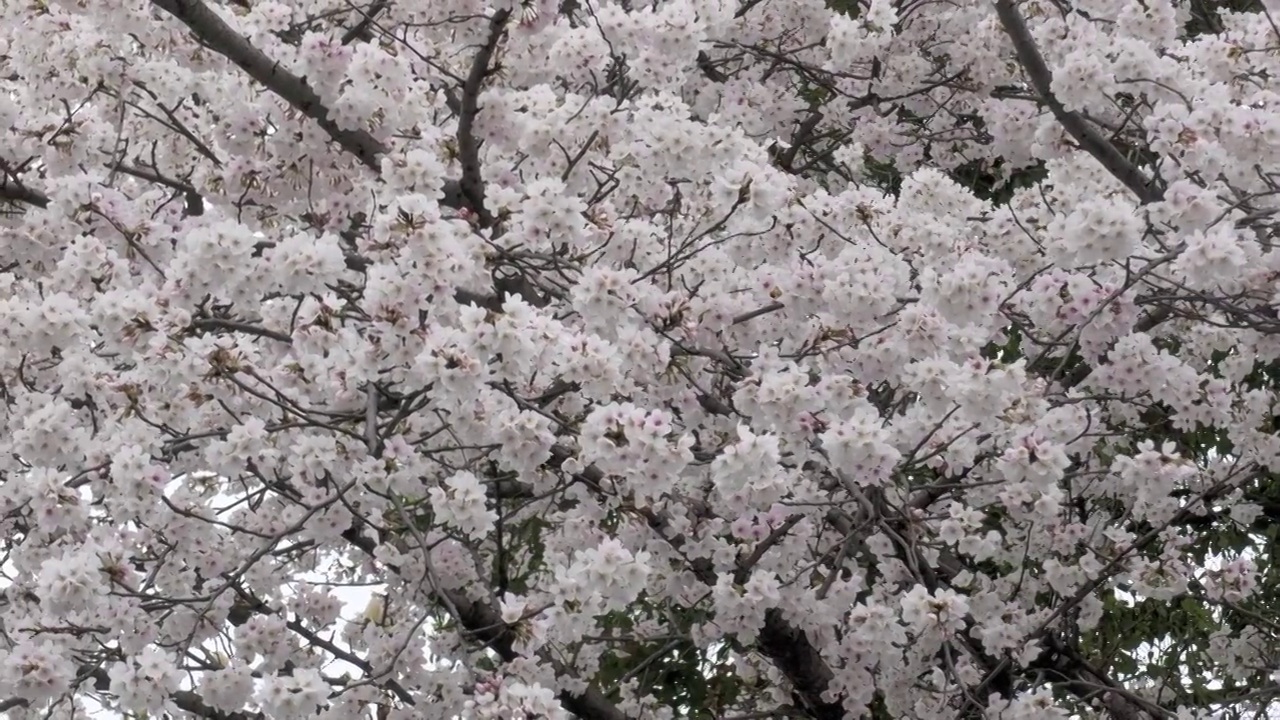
point(248, 606)
point(790, 650)
point(472, 182)
point(222, 39)
point(192, 702)
point(186, 700)
point(194, 201)
point(360, 30)
point(19, 193)
point(13, 191)
point(1090, 682)
point(1147, 190)
point(784, 644)
point(708, 68)
point(483, 623)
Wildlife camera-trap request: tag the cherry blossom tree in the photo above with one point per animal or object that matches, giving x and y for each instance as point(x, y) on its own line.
point(678, 359)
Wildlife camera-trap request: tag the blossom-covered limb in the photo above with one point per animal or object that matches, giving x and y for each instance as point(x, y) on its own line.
point(214, 33)
point(472, 180)
point(1147, 190)
point(483, 623)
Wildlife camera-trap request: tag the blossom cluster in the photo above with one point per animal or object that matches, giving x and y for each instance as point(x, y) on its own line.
point(638, 359)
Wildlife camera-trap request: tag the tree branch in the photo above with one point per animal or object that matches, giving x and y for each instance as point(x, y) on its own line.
point(790, 650)
point(1147, 190)
point(222, 39)
point(361, 29)
point(186, 700)
point(194, 201)
point(484, 623)
point(472, 182)
point(17, 192)
point(784, 644)
point(219, 37)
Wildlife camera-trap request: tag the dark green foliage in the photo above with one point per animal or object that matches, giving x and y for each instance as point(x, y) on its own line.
point(1206, 15)
point(987, 183)
point(690, 680)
